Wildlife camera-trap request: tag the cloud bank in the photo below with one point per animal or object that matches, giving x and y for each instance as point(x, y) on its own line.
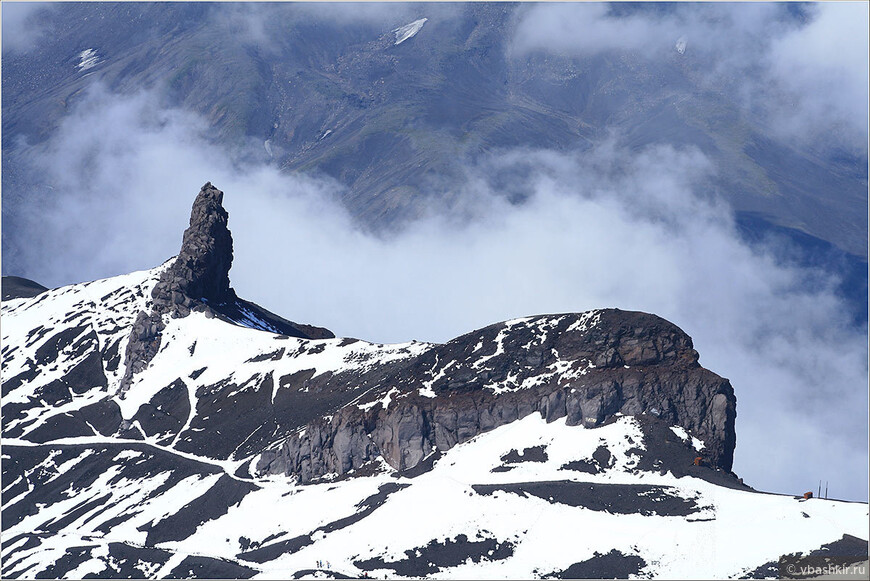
point(801, 68)
point(606, 228)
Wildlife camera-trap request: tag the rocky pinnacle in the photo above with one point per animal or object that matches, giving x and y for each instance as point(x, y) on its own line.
point(201, 271)
point(198, 277)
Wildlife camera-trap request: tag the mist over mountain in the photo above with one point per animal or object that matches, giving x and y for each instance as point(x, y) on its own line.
point(705, 163)
point(157, 425)
point(396, 124)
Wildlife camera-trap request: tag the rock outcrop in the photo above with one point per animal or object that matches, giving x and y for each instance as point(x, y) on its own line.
point(588, 368)
point(198, 280)
point(200, 273)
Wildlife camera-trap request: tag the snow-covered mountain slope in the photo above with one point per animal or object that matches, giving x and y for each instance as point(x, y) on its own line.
point(63, 349)
point(530, 499)
point(63, 362)
point(156, 425)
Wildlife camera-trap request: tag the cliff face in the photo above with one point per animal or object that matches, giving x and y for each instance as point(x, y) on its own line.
point(588, 368)
point(201, 270)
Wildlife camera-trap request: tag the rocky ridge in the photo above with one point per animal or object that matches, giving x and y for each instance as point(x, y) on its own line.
point(320, 407)
point(589, 368)
point(238, 452)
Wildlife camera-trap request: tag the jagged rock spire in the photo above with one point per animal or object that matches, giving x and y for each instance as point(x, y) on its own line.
point(198, 280)
point(203, 265)
point(201, 270)
point(198, 277)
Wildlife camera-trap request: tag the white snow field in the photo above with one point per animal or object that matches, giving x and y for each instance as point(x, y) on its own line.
point(407, 31)
point(528, 499)
point(729, 533)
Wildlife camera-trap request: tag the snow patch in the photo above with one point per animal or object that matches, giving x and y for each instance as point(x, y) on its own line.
point(403, 33)
point(684, 436)
point(585, 322)
point(384, 401)
point(681, 44)
point(88, 59)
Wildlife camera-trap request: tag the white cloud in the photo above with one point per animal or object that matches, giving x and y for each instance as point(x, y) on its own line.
point(590, 28)
point(823, 68)
point(21, 27)
point(806, 80)
point(604, 228)
point(652, 31)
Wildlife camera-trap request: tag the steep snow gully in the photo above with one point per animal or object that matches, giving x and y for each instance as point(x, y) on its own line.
point(156, 425)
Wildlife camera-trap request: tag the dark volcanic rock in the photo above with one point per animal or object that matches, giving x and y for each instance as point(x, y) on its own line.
point(130, 562)
point(613, 565)
point(431, 558)
point(586, 367)
point(201, 270)
point(65, 425)
point(15, 287)
point(200, 567)
point(248, 313)
point(666, 452)
point(845, 551)
point(533, 454)
point(366, 506)
point(166, 412)
point(104, 416)
point(73, 557)
point(226, 492)
point(642, 499)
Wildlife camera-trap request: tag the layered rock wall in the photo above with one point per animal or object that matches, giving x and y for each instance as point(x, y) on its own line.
point(587, 370)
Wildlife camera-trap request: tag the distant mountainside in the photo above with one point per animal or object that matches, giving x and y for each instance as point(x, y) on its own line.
point(15, 287)
point(157, 426)
point(396, 122)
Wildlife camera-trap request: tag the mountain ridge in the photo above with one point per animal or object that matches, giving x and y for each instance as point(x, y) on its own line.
point(235, 450)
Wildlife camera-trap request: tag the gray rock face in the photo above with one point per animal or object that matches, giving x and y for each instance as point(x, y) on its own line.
point(201, 270)
point(588, 368)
